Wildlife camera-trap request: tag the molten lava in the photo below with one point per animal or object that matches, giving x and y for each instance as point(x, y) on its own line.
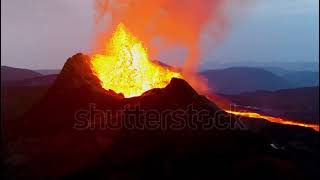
point(274, 119)
point(125, 66)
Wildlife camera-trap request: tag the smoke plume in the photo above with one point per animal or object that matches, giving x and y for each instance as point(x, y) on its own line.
point(174, 22)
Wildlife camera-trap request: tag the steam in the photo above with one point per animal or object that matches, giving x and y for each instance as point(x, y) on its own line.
point(174, 22)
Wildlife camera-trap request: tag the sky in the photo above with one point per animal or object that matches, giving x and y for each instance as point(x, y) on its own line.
point(42, 34)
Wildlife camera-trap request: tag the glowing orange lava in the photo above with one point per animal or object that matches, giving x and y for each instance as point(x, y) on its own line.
point(274, 119)
point(125, 66)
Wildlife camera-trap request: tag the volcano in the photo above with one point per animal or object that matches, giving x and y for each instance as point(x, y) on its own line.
point(68, 135)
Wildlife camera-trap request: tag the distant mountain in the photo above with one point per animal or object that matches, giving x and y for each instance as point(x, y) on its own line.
point(244, 79)
point(278, 70)
point(16, 74)
point(297, 78)
point(302, 78)
point(270, 65)
point(48, 71)
point(299, 104)
point(36, 81)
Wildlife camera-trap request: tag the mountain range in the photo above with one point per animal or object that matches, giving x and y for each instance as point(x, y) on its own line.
point(245, 79)
point(44, 142)
point(17, 74)
point(233, 80)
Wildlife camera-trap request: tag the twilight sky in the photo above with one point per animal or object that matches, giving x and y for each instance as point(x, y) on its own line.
point(42, 34)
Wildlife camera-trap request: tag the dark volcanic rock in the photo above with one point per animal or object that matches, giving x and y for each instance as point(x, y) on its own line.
point(76, 73)
point(54, 140)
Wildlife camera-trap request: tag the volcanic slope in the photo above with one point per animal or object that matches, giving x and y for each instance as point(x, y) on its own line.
point(50, 142)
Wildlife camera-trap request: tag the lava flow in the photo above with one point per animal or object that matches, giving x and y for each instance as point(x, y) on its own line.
point(125, 66)
point(274, 119)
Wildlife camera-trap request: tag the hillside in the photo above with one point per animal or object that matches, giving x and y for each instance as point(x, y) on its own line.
point(244, 79)
point(48, 71)
point(54, 139)
point(303, 78)
point(45, 80)
point(16, 74)
point(300, 103)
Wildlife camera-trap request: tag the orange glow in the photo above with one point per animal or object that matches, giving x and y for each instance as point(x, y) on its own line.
point(274, 119)
point(125, 66)
point(173, 22)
